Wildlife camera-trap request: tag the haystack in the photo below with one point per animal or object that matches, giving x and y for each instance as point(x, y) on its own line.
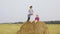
point(33, 28)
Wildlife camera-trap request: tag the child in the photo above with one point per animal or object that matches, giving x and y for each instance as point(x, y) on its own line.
point(36, 18)
point(30, 13)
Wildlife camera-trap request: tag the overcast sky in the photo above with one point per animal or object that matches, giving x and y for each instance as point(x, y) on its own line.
point(17, 10)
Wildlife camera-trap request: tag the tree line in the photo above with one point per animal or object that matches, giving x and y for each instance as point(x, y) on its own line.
point(52, 22)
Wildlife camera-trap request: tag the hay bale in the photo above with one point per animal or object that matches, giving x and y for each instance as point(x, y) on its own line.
point(40, 28)
point(33, 28)
point(26, 28)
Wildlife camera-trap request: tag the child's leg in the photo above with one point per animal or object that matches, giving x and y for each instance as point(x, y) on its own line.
point(28, 17)
point(35, 21)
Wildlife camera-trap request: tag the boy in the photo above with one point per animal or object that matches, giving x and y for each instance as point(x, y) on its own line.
point(30, 13)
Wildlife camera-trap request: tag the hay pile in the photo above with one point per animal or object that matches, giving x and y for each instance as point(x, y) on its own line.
point(33, 28)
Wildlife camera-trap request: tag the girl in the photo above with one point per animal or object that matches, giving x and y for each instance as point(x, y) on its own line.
point(36, 18)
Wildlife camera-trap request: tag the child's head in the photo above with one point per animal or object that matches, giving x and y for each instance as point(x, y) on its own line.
point(37, 15)
point(30, 7)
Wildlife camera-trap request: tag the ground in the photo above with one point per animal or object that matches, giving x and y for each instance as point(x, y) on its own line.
point(13, 28)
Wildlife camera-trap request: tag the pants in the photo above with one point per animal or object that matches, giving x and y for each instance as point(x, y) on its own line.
point(29, 15)
point(28, 19)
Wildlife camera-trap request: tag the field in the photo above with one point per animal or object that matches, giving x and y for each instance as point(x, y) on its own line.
point(13, 28)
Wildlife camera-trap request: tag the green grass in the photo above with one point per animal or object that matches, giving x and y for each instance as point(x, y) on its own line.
point(13, 28)
point(54, 28)
point(9, 28)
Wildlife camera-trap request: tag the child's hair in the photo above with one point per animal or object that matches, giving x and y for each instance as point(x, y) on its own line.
point(37, 15)
point(30, 6)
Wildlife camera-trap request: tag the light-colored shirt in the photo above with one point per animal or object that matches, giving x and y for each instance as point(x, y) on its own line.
point(30, 11)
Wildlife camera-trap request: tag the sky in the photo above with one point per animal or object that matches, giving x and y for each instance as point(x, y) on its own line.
point(17, 10)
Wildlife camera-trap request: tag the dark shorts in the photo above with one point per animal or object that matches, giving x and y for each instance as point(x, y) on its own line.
point(29, 15)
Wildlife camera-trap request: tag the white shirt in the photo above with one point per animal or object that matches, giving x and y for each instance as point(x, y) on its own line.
point(30, 11)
